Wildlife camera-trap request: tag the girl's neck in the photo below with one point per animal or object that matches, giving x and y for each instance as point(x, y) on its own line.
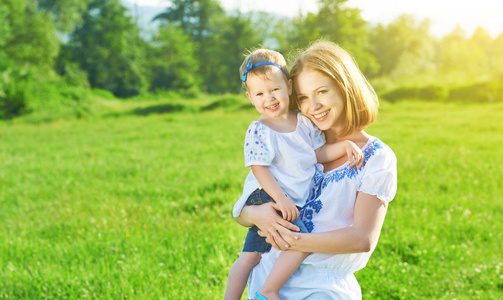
point(284, 124)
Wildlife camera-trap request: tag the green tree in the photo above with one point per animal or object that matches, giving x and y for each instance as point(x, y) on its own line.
point(5, 35)
point(7, 107)
point(461, 59)
point(341, 24)
point(196, 19)
point(32, 40)
point(107, 46)
point(404, 48)
point(226, 51)
point(219, 40)
point(66, 13)
point(304, 30)
point(493, 48)
point(482, 38)
point(496, 59)
point(268, 29)
point(28, 47)
point(193, 16)
point(171, 60)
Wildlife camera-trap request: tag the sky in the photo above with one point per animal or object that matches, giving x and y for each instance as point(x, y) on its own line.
point(444, 15)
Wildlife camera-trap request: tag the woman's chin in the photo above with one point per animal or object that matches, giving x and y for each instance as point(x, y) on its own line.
point(322, 125)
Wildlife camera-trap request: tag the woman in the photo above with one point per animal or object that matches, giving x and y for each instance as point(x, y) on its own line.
point(347, 206)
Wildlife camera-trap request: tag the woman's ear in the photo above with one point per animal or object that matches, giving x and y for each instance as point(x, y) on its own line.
point(289, 87)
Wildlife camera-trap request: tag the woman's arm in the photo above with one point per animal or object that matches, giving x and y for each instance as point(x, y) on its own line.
point(266, 218)
point(369, 216)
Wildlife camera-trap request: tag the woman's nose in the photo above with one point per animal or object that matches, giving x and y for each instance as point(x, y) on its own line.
point(313, 104)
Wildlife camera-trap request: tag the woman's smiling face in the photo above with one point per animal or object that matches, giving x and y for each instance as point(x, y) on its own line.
point(320, 99)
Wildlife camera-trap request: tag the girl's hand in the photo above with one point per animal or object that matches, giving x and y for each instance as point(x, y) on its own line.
point(271, 225)
point(354, 153)
point(288, 209)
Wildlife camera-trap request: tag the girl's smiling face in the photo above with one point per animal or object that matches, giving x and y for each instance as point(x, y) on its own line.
point(269, 94)
point(320, 99)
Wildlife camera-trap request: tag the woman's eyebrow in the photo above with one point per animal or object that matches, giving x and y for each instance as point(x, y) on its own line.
point(314, 90)
point(320, 87)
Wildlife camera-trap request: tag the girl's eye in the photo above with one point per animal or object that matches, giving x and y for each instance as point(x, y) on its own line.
point(259, 94)
point(322, 92)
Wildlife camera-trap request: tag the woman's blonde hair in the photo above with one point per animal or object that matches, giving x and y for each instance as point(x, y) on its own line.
point(361, 103)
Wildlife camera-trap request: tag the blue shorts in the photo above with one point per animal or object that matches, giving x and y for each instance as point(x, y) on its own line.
point(253, 241)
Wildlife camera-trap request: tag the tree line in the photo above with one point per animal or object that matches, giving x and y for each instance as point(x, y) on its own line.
point(52, 51)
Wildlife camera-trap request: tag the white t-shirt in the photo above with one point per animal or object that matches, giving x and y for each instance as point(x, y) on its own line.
point(331, 206)
point(289, 156)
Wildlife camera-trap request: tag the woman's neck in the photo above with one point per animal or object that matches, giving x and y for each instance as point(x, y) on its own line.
point(360, 138)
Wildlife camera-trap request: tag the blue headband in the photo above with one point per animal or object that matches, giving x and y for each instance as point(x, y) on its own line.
point(250, 66)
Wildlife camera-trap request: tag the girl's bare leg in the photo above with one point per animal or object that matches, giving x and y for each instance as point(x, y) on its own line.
point(239, 273)
point(284, 267)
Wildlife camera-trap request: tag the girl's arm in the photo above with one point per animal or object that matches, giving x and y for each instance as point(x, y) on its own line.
point(329, 152)
point(369, 216)
point(271, 186)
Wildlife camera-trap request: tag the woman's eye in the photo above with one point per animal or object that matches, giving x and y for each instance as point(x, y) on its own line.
point(302, 98)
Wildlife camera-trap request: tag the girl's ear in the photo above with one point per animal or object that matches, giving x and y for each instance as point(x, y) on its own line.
point(250, 98)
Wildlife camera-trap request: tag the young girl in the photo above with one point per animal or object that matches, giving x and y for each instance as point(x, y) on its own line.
point(281, 148)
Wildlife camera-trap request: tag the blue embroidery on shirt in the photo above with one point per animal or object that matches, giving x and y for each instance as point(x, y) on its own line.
point(352, 172)
point(315, 189)
point(314, 205)
point(253, 141)
point(306, 213)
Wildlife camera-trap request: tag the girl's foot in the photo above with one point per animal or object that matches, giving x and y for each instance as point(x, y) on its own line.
point(266, 296)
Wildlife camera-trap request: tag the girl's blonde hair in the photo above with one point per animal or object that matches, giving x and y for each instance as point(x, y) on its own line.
point(361, 103)
point(263, 55)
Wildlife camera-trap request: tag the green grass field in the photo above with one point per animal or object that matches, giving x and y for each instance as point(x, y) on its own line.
point(135, 202)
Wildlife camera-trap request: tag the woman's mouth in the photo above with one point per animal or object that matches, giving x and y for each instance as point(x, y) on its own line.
point(321, 116)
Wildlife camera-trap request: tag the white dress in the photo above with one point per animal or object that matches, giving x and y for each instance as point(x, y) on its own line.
point(289, 156)
point(330, 207)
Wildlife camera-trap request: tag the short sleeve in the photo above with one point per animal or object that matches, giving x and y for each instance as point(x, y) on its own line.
point(258, 148)
point(380, 177)
point(317, 136)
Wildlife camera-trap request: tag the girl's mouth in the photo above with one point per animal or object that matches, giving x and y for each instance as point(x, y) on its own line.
point(273, 107)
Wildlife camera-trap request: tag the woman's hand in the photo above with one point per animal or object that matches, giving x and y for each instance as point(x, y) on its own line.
point(289, 239)
point(271, 225)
